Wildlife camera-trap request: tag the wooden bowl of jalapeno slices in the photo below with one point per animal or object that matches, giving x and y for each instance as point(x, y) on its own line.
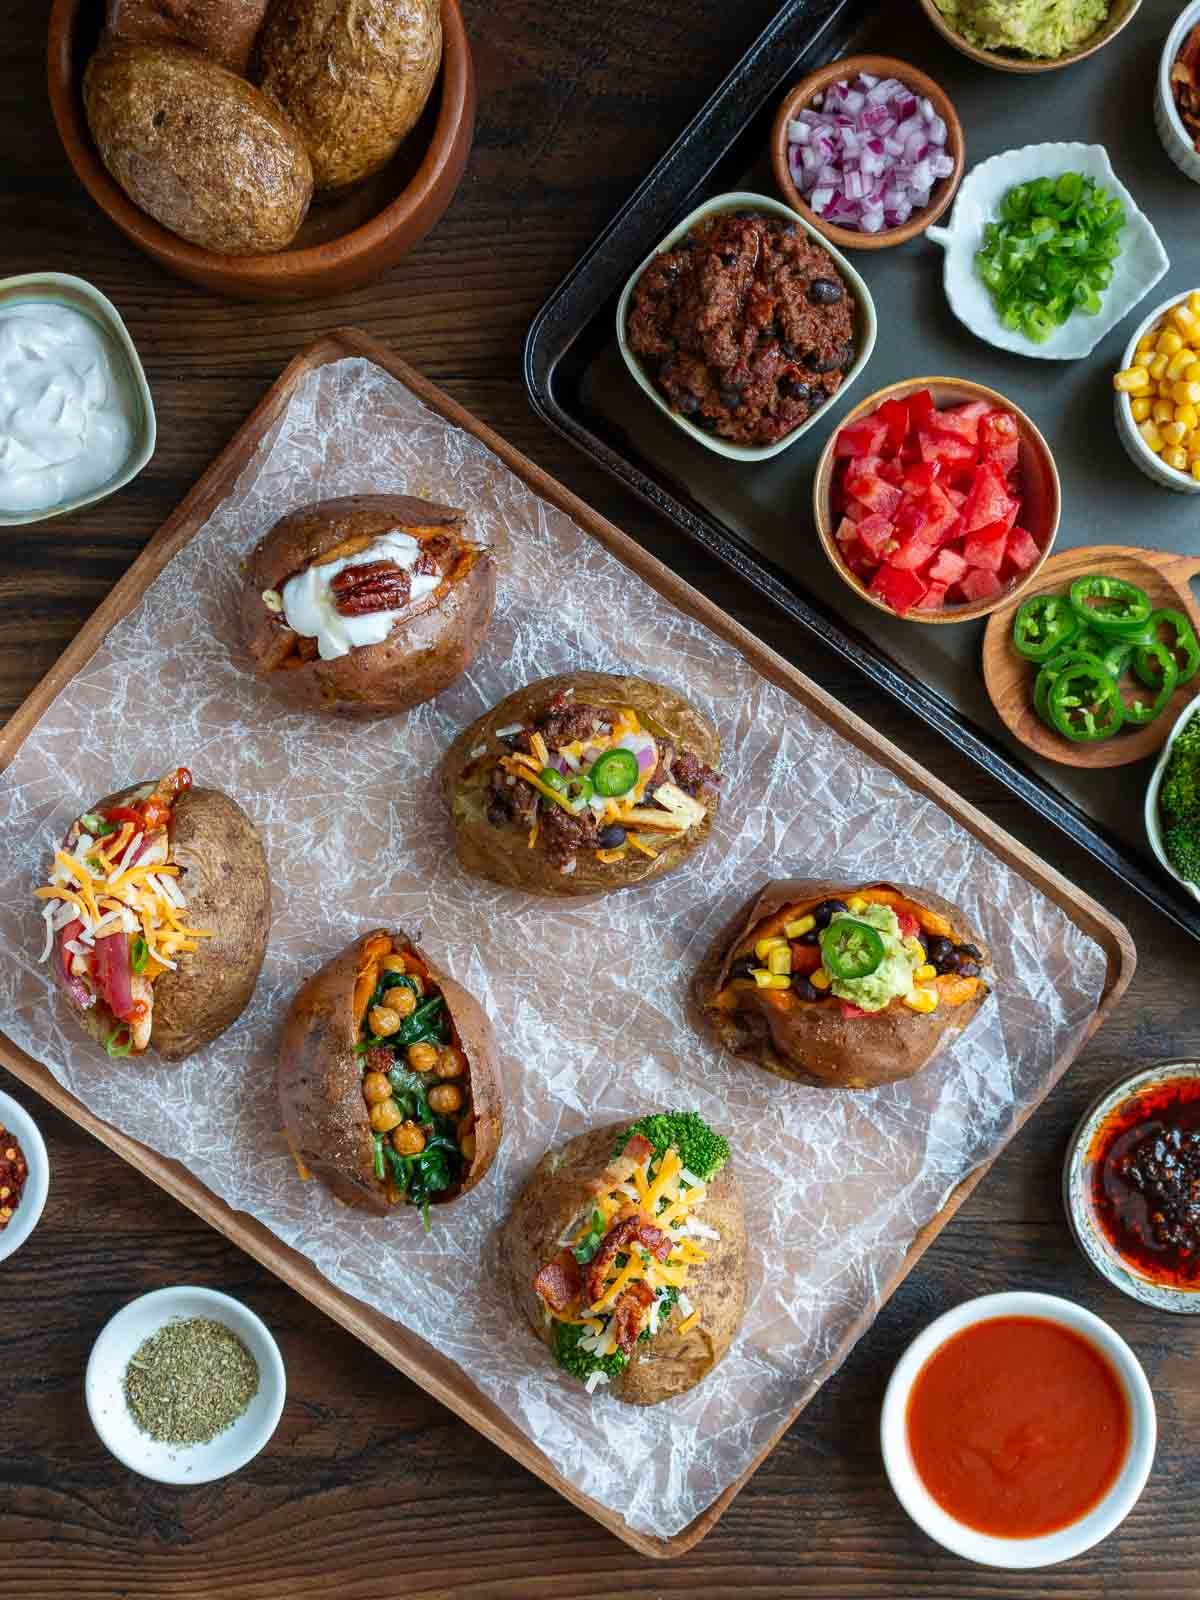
point(1122, 625)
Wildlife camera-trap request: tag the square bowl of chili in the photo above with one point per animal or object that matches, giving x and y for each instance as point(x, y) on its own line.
point(24, 1176)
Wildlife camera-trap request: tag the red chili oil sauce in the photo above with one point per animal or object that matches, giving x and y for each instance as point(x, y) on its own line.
point(1144, 1164)
point(1017, 1426)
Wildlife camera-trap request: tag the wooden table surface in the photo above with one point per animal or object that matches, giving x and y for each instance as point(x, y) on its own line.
point(371, 1489)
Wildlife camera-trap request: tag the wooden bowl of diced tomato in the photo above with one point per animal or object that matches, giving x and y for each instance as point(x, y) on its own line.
point(937, 499)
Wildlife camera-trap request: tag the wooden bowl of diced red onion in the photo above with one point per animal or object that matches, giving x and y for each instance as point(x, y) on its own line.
point(869, 150)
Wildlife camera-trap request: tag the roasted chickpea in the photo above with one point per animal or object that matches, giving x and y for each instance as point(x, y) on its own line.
point(401, 1000)
point(383, 1020)
point(376, 1088)
point(392, 964)
point(451, 1062)
point(445, 1098)
point(467, 1145)
point(385, 1116)
point(422, 1057)
point(407, 1139)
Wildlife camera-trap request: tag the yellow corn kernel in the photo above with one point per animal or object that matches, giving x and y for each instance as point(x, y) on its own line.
point(819, 979)
point(1186, 394)
point(1168, 343)
point(771, 980)
point(1176, 456)
point(780, 962)
point(1145, 345)
point(1150, 434)
point(1178, 364)
point(1193, 301)
point(1188, 415)
point(1163, 411)
point(1192, 442)
point(1174, 433)
point(925, 973)
point(1196, 468)
point(764, 946)
point(1140, 407)
point(857, 905)
point(1134, 380)
point(923, 999)
point(801, 926)
point(1157, 367)
point(1184, 320)
point(1192, 373)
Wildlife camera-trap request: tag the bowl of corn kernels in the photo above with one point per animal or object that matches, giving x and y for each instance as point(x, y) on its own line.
point(1157, 397)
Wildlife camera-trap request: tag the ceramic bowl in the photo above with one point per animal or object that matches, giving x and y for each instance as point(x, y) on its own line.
point(1176, 141)
point(172, 1463)
point(1042, 494)
point(880, 67)
point(345, 241)
point(16, 1120)
point(1077, 1184)
point(865, 326)
point(1120, 13)
point(82, 296)
point(1136, 270)
point(1154, 829)
point(1046, 1549)
point(1136, 448)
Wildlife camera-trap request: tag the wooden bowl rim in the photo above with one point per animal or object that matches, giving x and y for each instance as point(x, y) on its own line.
point(822, 478)
point(1003, 63)
point(284, 266)
point(885, 67)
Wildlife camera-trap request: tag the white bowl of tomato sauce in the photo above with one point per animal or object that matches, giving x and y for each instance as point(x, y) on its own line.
point(1018, 1430)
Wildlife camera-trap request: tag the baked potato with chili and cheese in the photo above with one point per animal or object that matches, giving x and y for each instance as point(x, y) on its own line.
point(389, 1078)
point(157, 910)
point(582, 783)
point(843, 986)
point(626, 1252)
point(366, 605)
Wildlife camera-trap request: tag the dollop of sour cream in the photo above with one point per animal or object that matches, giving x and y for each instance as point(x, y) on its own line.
point(309, 604)
point(66, 406)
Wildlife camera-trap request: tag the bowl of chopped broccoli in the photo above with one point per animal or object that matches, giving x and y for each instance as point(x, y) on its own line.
point(1173, 802)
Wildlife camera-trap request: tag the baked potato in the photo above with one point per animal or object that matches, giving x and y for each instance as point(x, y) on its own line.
point(582, 783)
point(841, 986)
point(366, 605)
point(225, 30)
point(201, 150)
point(389, 1079)
point(353, 75)
point(157, 909)
point(631, 1270)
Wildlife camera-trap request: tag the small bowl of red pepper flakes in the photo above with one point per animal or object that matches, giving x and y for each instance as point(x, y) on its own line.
point(24, 1176)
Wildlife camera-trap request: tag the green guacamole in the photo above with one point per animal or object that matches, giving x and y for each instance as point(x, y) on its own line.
point(1046, 28)
point(893, 977)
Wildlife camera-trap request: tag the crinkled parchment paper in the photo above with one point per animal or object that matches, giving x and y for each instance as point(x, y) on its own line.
point(587, 999)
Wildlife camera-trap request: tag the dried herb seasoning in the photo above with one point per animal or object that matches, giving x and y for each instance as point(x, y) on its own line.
point(190, 1381)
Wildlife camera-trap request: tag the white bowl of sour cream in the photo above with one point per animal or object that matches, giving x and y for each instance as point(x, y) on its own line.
point(76, 417)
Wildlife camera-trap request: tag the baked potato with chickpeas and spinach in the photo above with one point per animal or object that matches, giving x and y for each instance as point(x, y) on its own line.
point(389, 1079)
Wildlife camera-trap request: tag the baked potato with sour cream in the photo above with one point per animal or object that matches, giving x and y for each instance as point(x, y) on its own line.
point(389, 1078)
point(654, 1327)
point(366, 605)
point(769, 988)
point(171, 958)
point(582, 783)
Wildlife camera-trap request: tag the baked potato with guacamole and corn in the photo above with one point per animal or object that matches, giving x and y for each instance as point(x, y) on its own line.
point(838, 985)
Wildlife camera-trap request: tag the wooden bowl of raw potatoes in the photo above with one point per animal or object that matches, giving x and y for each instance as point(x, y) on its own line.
point(1041, 492)
point(804, 93)
point(1119, 13)
point(346, 240)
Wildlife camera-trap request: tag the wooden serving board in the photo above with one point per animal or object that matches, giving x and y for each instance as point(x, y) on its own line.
point(1010, 679)
point(411, 1355)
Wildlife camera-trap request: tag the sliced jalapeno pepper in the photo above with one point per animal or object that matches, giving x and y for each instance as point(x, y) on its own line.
point(1084, 644)
point(1183, 642)
point(1043, 625)
point(1121, 609)
point(1085, 703)
point(578, 790)
point(1116, 656)
point(1137, 711)
point(614, 773)
point(139, 953)
point(120, 1042)
point(851, 949)
point(553, 779)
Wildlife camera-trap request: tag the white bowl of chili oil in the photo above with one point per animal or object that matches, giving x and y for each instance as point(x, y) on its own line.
point(19, 1133)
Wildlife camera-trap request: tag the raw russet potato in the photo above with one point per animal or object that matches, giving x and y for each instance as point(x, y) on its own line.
point(201, 150)
point(225, 30)
point(353, 75)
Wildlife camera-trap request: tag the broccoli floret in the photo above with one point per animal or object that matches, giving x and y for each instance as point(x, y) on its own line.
point(1182, 844)
point(581, 1363)
point(1179, 797)
point(701, 1150)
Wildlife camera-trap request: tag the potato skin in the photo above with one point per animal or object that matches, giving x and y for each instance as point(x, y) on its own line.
point(198, 148)
point(668, 1364)
point(501, 854)
point(424, 653)
point(224, 30)
point(319, 1079)
point(815, 1044)
point(353, 75)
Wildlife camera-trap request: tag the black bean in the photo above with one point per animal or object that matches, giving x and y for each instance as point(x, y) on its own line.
point(972, 950)
point(497, 816)
point(788, 351)
point(788, 230)
point(825, 291)
point(826, 911)
point(728, 257)
point(731, 396)
point(941, 953)
point(742, 968)
point(803, 990)
point(768, 332)
point(847, 356)
point(811, 937)
point(612, 836)
point(966, 969)
point(794, 389)
point(687, 403)
point(815, 362)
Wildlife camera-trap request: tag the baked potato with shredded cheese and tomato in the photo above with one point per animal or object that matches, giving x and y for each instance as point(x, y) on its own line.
point(389, 1079)
point(366, 605)
point(157, 909)
point(838, 985)
point(582, 783)
point(626, 1252)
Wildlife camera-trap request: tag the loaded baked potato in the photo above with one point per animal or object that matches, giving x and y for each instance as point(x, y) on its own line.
point(626, 1251)
point(389, 1079)
point(366, 605)
point(582, 783)
point(157, 910)
point(841, 986)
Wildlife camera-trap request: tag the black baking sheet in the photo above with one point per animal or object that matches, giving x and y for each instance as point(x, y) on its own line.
point(757, 518)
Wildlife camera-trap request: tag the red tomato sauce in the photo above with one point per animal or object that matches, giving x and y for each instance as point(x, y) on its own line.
point(1018, 1427)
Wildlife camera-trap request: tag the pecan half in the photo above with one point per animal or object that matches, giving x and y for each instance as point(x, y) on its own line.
point(433, 555)
point(374, 586)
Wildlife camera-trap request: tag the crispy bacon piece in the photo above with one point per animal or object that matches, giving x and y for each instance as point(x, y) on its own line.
point(629, 1315)
point(371, 586)
point(622, 1168)
point(559, 1282)
point(629, 1230)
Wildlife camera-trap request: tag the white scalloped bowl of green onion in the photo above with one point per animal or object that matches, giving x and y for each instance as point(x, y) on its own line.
point(1157, 824)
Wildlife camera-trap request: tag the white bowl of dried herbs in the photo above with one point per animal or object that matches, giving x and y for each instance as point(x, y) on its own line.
point(185, 1385)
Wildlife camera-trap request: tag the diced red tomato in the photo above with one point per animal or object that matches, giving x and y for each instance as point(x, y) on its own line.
point(909, 926)
point(876, 533)
point(861, 466)
point(847, 531)
point(863, 438)
point(985, 547)
point(999, 440)
point(851, 1011)
point(949, 452)
point(962, 421)
point(948, 568)
point(895, 414)
point(900, 589)
point(1022, 549)
point(918, 475)
point(806, 958)
point(854, 511)
point(988, 500)
point(892, 472)
point(979, 584)
point(935, 598)
point(874, 493)
point(958, 496)
point(921, 410)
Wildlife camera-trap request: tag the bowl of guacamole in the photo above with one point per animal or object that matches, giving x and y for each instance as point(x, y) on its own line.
point(1029, 35)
